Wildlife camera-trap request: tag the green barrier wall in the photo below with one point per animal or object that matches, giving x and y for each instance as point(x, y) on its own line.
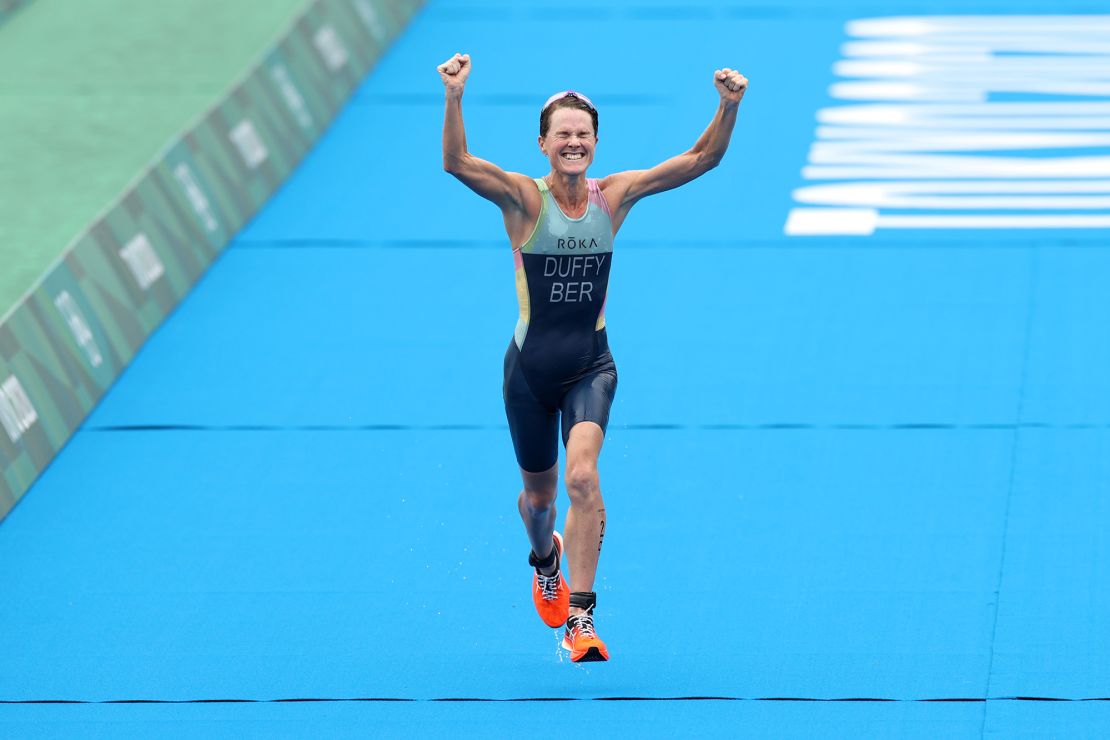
point(64, 344)
point(90, 93)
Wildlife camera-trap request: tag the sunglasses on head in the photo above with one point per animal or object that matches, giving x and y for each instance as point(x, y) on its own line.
point(568, 94)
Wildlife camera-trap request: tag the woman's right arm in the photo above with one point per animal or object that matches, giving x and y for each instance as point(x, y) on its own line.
point(506, 189)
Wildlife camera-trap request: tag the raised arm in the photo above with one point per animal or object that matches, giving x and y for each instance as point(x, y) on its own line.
point(485, 178)
point(623, 189)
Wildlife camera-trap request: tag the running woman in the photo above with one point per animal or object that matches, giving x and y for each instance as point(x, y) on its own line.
point(561, 228)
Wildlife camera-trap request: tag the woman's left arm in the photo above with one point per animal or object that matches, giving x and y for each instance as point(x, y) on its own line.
point(623, 189)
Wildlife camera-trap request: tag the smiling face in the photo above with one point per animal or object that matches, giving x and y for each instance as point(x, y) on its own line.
point(570, 141)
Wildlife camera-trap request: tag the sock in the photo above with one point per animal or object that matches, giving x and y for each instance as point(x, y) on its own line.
point(585, 600)
point(547, 564)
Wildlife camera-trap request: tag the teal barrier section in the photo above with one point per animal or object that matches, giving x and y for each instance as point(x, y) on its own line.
point(72, 335)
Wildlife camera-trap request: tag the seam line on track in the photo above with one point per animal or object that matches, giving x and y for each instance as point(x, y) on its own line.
point(773, 426)
point(1030, 311)
point(341, 700)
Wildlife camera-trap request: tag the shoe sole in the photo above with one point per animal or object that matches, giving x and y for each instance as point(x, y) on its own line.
point(593, 655)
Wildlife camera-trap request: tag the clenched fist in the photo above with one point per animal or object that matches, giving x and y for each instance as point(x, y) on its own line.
point(730, 84)
point(454, 72)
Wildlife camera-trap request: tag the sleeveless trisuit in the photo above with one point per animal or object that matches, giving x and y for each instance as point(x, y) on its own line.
point(558, 360)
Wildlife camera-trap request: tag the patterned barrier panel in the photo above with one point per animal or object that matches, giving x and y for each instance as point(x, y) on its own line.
point(66, 342)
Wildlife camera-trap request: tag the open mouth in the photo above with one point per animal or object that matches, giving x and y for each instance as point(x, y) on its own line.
point(572, 156)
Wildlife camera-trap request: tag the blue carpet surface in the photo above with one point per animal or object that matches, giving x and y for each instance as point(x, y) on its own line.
point(837, 468)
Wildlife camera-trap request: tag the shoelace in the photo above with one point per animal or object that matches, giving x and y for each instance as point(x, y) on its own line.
point(584, 625)
point(549, 585)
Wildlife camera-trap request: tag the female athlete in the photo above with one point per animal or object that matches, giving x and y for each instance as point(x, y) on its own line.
point(561, 228)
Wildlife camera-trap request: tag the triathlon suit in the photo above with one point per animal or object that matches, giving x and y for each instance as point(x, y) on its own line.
point(558, 360)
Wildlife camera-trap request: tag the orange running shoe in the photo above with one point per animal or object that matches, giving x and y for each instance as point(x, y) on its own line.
point(581, 640)
point(551, 593)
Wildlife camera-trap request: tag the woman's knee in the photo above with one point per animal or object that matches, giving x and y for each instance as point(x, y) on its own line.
point(583, 484)
point(540, 489)
point(540, 499)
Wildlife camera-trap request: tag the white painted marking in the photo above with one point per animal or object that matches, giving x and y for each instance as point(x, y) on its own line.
point(196, 196)
point(886, 113)
point(864, 222)
point(853, 145)
point(907, 91)
point(829, 221)
point(78, 327)
point(975, 25)
point(970, 90)
point(139, 255)
point(17, 413)
point(981, 46)
point(907, 128)
point(924, 123)
point(993, 221)
point(330, 46)
point(962, 70)
point(940, 166)
point(292, 96)
point(249, 143)
point(369, 15)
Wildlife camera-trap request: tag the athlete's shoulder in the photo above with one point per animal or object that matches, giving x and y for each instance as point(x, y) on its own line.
point(530, 189)
point(613, 188)
point(616, 186)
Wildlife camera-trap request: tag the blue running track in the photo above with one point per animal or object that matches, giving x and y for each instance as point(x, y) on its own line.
point(839, 468)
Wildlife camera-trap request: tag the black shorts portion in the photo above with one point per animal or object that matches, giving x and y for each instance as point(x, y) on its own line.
point(534, 423)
